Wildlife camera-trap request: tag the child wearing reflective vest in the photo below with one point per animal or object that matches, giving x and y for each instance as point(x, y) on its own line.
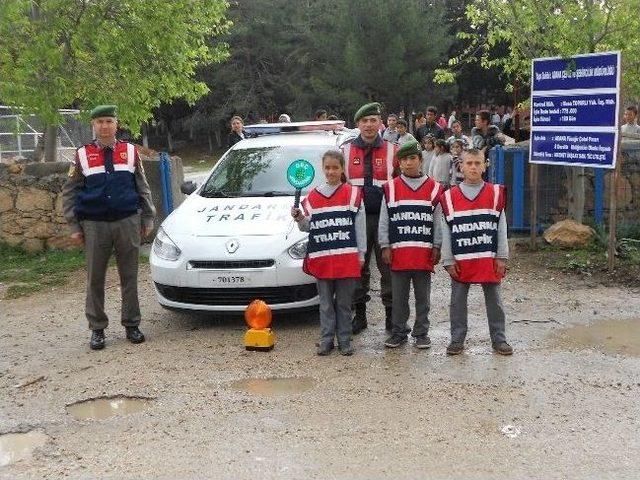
point(475, 249)
point(334, 216)
point(410, 236)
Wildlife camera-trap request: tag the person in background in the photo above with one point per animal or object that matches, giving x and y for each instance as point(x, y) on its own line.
point(419, 121)
point(440, 168)
point(456, 131)
point(484, 135)
point(430, 127)
point(631, 120)
point(403, 135)
point(284, 118)
point(442, 122)
point(456, 148)
point(320, 116)
point(495, 117)
point(475, 250)
point(237, 131)
point(428, 153)
point(390, 133)
point(336, 264)
point(506, 116)
point(452, 118)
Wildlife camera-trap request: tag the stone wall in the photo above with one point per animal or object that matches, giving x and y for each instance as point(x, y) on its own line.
point(31, 202)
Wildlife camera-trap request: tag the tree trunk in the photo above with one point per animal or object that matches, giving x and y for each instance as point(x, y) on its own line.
point(145, 135)
point(210, 142)
point(219, 137)
point(51, 143)
point(576, 183)
point(169, 141)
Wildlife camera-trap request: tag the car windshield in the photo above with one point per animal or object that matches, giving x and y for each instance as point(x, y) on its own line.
point(250, 172)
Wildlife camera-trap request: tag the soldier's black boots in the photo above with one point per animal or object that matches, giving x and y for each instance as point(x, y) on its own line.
point(97, 340)
point(359, 322)
point(134, 335)
point(388, 319)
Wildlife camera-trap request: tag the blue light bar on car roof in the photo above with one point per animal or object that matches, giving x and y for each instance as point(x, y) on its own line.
point(273, 128)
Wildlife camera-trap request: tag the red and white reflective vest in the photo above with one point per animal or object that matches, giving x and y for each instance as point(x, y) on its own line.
point(411, 223)
point(383, 163)
point(107, 194)
point(474, 231)
point(332, 251)
point(91, 159)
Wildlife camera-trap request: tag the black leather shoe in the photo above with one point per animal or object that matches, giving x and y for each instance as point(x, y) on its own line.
point(388, 319)
point(134, 335)
point(97, 340)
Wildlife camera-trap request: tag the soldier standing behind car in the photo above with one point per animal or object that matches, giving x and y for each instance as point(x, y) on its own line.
point(370, 163)
point(107, 203)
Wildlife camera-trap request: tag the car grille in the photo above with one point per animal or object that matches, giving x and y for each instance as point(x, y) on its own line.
point(230, 264)
point(238, 296)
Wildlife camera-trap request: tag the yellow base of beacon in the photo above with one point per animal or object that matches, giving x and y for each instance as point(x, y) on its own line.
point(259, 339)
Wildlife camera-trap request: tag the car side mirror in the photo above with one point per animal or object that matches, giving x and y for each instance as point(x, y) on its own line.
point(188, 187)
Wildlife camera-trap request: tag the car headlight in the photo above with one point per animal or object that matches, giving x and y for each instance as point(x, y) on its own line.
point(299, 250)
point(164, 247)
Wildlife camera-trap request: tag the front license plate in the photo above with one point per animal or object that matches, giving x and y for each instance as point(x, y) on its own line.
point(226, 279)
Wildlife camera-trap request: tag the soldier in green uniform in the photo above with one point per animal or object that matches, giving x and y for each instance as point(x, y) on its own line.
point(107, 203)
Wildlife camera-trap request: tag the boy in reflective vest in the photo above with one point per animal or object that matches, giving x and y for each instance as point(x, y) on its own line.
point(335, 219)
point(475, 250)
point(410, 237)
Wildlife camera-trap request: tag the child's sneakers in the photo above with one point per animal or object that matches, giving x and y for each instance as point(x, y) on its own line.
point(395, 340)
point(423, 341)
point(346, 350)
point(503, 348)
point(455, 348)
point(324, 349)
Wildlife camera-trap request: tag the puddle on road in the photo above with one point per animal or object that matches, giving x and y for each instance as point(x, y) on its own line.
point(610, 336)
point(101, 408)
point(18, 446)
point(274, 386)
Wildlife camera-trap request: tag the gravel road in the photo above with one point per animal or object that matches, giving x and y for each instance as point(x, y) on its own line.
point(564, 406)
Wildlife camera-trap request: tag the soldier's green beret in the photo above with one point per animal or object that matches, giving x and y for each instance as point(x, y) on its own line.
point(104, 111)
point(409, 148)
point(373, 108)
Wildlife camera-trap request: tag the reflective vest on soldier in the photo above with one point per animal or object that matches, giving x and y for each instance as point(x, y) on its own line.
point(109, 192)
point(382, 163)
point(332, 251)
point(411, 223)
point(474, 231)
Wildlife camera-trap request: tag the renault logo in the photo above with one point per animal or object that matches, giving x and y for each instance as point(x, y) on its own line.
point(232, 245)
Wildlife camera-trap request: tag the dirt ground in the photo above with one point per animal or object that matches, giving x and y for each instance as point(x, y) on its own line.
point(564, 406)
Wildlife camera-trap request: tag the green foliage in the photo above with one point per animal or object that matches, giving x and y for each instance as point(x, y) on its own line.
point(541, 28)
point(78, 53)
point(24, 273)
point(295, 57)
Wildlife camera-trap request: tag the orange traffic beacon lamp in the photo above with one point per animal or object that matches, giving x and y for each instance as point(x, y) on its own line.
point(259, 336)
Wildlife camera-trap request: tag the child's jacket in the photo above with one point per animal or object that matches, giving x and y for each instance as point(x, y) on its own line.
point(474, 231)
point(411, 223)
point(332, 251)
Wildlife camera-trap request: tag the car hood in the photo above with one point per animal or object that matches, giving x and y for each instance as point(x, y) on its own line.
point(222, 217)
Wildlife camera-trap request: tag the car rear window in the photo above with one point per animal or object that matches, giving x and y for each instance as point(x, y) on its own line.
point(261, 171)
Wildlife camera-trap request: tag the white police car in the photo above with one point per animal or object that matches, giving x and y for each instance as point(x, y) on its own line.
point(233, 239)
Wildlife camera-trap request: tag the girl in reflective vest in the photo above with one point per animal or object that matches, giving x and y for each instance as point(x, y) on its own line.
point(333, 214)
point(475, 250)
point(410, 237)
